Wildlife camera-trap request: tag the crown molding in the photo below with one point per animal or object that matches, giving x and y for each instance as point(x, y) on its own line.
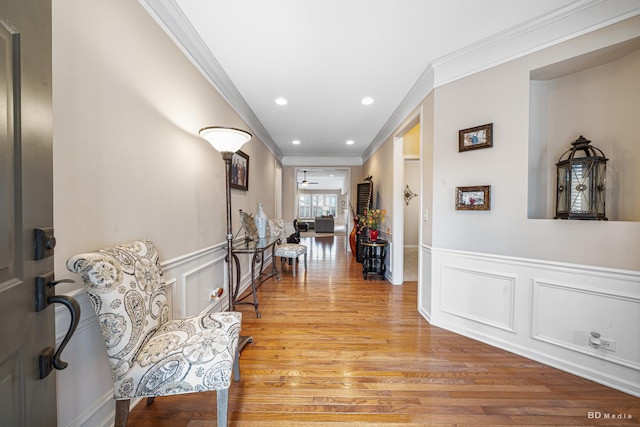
point(170, 18)
point(321, 161)
point(576, 19)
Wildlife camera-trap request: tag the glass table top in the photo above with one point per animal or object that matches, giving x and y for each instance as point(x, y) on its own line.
point(253, 245)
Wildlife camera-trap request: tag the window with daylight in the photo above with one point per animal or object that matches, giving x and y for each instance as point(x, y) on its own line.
point(311, 205)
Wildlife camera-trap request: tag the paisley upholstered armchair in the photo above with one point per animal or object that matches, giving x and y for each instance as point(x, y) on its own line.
point(150, 354)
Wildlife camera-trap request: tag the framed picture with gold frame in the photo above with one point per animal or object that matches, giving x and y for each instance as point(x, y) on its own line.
point(476, 198)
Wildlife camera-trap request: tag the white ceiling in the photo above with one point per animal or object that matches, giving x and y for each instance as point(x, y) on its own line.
point(324, 56)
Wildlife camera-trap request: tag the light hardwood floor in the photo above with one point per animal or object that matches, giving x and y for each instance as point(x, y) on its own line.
point(332, 349)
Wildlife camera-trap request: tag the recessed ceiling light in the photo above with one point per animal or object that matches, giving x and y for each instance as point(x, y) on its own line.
point(295, 142)
point(350, 142)
point(367, 100)
point(281, 101)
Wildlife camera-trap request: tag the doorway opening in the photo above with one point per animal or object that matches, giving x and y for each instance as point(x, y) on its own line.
point(323, 191)
point(407, 166)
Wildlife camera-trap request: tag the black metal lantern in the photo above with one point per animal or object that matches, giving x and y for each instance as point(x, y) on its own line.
point(580, 191)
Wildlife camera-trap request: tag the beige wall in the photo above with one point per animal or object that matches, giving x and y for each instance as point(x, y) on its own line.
point(412, 217)
point(601, 103)
point(411, 141)
point(380, 167)
point(427, 129)
point(289, 211)
point(380, 164)
point(412, 210)
point(500, 96)
point(128, 161)
point(357, 176)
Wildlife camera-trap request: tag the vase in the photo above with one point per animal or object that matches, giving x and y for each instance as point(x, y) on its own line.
point(352, 238)
point(373, 235)
point(261, 222)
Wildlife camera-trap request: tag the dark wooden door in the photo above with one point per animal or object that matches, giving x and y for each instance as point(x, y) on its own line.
point(26, 203)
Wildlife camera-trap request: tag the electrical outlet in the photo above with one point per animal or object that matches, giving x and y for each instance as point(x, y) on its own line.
point(216, 294)
point(425, 216)
point(608, 344)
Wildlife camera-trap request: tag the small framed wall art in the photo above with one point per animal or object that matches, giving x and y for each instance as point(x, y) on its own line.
point(476, 198)
point(475, 138)
point(240, 171)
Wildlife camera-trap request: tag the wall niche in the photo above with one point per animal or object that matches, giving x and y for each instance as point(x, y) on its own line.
point(596, 95)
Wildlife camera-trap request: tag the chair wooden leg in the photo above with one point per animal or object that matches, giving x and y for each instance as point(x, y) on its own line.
point(236, 366)
point(122, 413)
point(150, 400)
point(223, 407)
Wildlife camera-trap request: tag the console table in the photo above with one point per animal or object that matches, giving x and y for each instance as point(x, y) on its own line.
point(373, 257)
point(256, 248)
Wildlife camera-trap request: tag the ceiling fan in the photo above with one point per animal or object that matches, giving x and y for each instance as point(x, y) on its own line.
point(304, 182)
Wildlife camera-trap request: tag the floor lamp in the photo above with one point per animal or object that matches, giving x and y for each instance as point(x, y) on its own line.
point(227, 141)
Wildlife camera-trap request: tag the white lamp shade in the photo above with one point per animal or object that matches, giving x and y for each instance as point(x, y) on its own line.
point(225, 139)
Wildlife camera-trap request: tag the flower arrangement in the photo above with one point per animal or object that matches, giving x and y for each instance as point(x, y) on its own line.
point(372, 218)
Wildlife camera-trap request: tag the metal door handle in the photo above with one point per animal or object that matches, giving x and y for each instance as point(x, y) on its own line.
point(45, 290)
point(48, 358)
point(45, 295)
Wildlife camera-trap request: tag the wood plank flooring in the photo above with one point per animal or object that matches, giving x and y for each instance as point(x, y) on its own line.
point(332, 349)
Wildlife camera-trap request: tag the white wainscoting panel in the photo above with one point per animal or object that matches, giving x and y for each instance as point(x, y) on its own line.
point(424, 282)
point(195, 276)
point(481, 296)
point(197, 284)
point(171, 299)
point(83, 385)
point(542, 310)
point(592, 310)
point(388, 260)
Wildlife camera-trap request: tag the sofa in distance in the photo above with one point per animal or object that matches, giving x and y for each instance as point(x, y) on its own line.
point(324, 224)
